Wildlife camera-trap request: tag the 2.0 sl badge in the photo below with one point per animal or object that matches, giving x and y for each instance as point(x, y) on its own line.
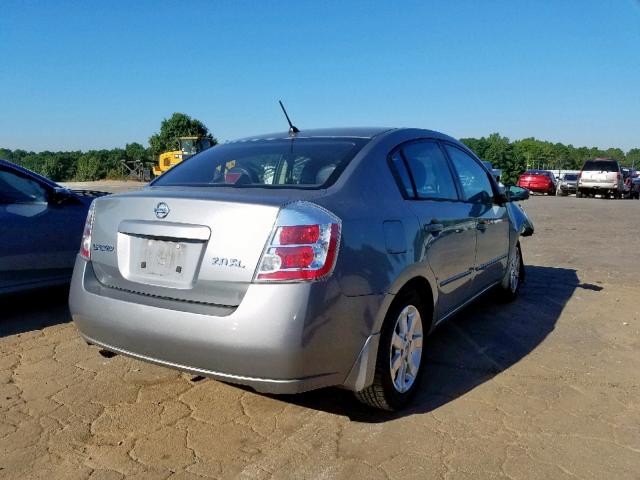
point(227, 262)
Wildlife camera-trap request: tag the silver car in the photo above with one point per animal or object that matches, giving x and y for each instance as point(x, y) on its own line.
point(289, 262)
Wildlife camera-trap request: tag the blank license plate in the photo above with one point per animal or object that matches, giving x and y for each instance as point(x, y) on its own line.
point(163, 258)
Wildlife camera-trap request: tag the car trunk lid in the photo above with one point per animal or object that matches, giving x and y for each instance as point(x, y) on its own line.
point(534, 180)
point(197, 246)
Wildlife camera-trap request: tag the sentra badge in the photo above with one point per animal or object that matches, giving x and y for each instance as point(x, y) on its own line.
point(100, 247)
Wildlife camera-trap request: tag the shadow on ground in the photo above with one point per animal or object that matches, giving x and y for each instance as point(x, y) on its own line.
point(471, 348)
point(34, 310)
point(478, 343)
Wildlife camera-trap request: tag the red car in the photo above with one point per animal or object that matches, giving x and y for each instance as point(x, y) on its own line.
point(539, 181)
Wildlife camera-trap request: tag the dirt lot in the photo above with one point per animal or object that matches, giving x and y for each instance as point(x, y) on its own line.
point(113, 186)
point(547, 387)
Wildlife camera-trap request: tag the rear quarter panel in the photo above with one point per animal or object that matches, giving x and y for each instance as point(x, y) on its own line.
point(373, 258)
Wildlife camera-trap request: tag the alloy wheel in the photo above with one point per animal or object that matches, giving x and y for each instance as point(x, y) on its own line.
point(514, 271)
point(406, 348)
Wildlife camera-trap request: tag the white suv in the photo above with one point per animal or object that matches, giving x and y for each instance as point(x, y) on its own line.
point(600, 175)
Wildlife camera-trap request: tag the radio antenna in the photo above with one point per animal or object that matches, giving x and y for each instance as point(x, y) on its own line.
point(293, 130)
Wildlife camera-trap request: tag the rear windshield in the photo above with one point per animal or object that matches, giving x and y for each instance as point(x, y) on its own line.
point(600, 166)
point(278, 163)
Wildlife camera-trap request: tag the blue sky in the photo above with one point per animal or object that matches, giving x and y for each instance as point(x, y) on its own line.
point(84, 74)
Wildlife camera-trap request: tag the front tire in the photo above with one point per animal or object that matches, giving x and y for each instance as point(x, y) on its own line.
point(510, 287)
point(399, 364)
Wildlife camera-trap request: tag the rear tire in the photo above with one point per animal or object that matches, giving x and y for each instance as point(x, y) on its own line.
point(399, 363)
point(514, 277)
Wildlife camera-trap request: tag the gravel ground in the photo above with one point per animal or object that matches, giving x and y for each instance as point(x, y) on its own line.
point(546, 387)
point(113, 186)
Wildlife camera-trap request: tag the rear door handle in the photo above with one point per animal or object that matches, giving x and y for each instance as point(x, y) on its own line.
point(434, 227)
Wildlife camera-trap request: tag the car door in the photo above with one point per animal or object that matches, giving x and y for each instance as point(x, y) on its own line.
point(38, 239)
point(491, 218)
point(446, 243)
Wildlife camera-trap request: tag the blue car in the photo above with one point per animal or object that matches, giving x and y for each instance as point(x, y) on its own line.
point(40, 229)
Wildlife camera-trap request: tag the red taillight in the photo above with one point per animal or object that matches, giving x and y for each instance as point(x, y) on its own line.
point(299, 235)
point(295, 257)
point(312, 258)
point(85, 245)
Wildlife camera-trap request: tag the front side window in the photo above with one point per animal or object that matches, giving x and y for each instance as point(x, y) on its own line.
point(293, 163)
point(430, 172)
point(15, 188)
point(473, 178)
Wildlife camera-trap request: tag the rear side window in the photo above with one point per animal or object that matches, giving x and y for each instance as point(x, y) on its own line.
point(600, 166)
point(402, 175)
point(429, 170)
point(290, 163)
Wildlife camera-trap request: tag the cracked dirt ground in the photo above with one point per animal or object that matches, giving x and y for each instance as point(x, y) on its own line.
point(547, 387)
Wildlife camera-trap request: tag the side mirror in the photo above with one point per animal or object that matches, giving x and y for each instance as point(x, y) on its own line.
point(516, 194)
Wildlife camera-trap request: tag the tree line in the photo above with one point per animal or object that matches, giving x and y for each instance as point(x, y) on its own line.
point(77, 165)
point(530, 153)
point(513, 157)
point(100, 164)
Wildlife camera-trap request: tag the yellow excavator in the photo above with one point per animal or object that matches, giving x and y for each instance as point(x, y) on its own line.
point(189, 146)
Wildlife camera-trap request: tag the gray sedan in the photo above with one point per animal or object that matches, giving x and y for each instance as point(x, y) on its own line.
point(289, 262)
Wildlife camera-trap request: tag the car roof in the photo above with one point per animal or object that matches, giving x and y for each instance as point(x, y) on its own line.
point(599, 159)
point(344, 132)
point(366, 133)
point(26, 171)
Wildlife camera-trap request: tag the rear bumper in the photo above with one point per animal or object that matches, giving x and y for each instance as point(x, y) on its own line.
point(599, 186)
point(284, 338)
point(537, 187)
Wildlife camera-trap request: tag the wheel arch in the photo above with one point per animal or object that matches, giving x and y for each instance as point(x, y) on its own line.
point(422, 285)
point(362, 373)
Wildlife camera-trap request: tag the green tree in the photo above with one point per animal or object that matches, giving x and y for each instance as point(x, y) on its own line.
point(89, 167)
point(616, 154)
point(178, 125)
point(501, 154)
point(633, 158)
point(478, 145)
point(134, 152)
